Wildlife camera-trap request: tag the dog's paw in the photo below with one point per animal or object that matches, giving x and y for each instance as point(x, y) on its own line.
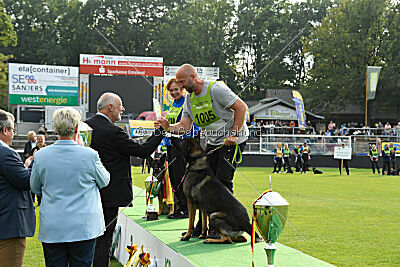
point(185, 238)
point(202, 236)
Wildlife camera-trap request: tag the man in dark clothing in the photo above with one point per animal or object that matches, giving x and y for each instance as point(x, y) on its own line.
point(297, 157)
point(115, 148)
point(17, 214)
point(374, 156)
point(30, 144)
point(392, 149)
point(386, 160)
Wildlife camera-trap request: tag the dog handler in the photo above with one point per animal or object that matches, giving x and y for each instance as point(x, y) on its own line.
point(177, 168)
point(214, 107)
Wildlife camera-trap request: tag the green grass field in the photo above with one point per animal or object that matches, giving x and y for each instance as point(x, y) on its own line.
point(346, 220)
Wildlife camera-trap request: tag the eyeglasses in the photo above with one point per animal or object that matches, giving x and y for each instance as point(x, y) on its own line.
point(14, 131)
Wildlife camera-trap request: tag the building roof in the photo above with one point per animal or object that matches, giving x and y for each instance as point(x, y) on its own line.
point(270, 102)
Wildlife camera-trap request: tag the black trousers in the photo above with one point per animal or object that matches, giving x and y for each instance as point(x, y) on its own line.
point(286, 163)
point(76, 254)
point(393, 163)
point(304, 157)
point(277, 164)
point(102, 252)
point(375, 165)
point(386, 167)
point(177, 169)
point(221, 163)
point(298, 163)
point(345, 165)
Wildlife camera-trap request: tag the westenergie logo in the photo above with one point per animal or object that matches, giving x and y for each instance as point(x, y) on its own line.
point(43, 100)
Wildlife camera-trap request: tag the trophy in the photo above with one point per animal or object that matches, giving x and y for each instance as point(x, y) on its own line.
point(85, 134)
point(269, 215)
point(151, 185)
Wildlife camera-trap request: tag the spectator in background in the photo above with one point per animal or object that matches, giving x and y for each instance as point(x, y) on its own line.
point(374, 156)
point(42, 130)
point(386, 160)
point(309, 127)
point(380, 125)
point(345, 164)
point(328, 133)
point(392, 149)
point(297, 157)
point(331, 128)
point(30, 144)
point(253, 123)
point(278, 158)
point(305, 156)
point(69, 177)
point(398, 129)
point(388, 129)
point(17, 214)
point(41, 141)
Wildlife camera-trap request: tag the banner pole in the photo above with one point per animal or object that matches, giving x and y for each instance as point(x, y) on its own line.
point(366, 96)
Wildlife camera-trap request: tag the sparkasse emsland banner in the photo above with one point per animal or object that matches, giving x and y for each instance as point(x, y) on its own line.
point(121, 65)
point(43, 85)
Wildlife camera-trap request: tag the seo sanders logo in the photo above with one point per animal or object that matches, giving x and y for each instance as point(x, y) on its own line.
point(31, 79)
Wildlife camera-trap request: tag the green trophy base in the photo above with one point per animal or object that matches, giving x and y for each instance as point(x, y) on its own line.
point(270, 249)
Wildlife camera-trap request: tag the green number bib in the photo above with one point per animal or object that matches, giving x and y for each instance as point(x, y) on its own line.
point(173, 113)
point(203, 113)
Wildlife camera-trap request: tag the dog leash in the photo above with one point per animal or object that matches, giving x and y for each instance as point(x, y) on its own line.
point(237, 150)
point(183, 178)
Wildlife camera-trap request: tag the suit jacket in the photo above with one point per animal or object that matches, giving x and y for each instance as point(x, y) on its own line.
point(115, 148)
point(69, 177)
point(17, 214)
point(28, 148)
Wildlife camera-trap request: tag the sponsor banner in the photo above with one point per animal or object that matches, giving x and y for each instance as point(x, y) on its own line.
point(120, 65)
point(205, 73)
point(395, 144)
point(372, 81)
point(298, 101)
point(342, 153)
point(30, 84)
point(141, 128)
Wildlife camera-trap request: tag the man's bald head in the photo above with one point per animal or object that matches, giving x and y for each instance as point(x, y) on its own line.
point(107, 99)
point(186, 77)
point(186, 70)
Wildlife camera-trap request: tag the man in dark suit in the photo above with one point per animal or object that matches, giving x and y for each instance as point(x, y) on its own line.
point(115, 148)
point(30, 144)
point(17, 214)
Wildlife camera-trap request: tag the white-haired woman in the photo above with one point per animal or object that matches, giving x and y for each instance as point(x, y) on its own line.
point(69, 176)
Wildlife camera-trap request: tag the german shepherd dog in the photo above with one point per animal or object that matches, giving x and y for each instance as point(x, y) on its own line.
point(158, 165)
point(228, 217)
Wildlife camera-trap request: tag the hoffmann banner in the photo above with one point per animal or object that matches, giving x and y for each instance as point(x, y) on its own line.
point(43, 85)
point(121, 65)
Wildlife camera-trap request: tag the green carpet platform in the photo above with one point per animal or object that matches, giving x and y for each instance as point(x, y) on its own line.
point(161, 239)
